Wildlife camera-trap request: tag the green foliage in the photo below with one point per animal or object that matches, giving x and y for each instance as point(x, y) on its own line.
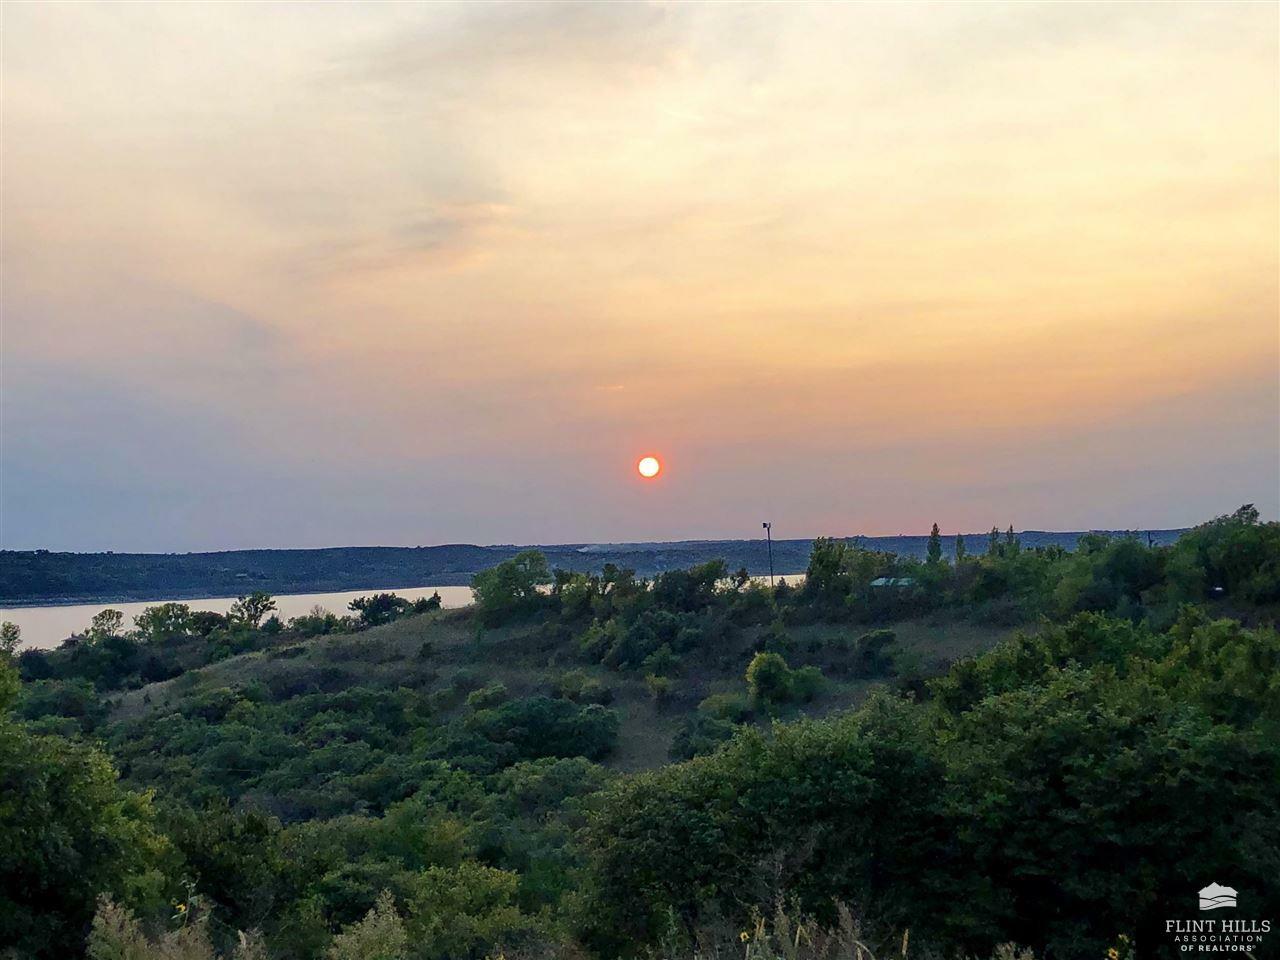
point(116, 934)
point(1235, 554)
point(73, 700)
point(871, 653)
point(580, 687)
point(510, 589)
point(1032, 799)
point(252, 608)
point(768, 679)
point(108, 623)
point(318, 622)
point(544, 727)
point(487, 696)
point(428, 604)
point(800, 811)
point(379, 609)
point(410, 801)
point(165, 623)
point(934, 551)
point(688, 591)
point(467, 910)
point(659, 688)
point(68, 833)
point(9, 683)
point(771, 682)
point(380, 935)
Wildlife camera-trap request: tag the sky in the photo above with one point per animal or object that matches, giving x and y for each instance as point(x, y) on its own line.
point(301, 275)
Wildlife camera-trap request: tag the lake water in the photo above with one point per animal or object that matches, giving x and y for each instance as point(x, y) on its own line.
point(46, 627)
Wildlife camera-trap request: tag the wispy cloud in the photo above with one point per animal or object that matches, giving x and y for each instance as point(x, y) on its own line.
point(464, 259)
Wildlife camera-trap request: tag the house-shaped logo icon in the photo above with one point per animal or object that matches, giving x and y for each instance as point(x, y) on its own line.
point(1214, 896)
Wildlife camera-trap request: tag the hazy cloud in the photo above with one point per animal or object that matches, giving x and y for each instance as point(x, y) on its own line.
point(294, 274)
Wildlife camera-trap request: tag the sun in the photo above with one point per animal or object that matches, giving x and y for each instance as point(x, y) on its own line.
point(649, 467)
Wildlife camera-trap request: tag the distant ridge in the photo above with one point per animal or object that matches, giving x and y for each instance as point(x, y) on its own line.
point(29, 577)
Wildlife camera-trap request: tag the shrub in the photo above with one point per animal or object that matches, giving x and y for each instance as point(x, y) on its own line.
point(768, 679)
point(381, 935)
point(659, 688)
point(466, 911)
point(487, 696)
point(806, 683)
point(578, 686)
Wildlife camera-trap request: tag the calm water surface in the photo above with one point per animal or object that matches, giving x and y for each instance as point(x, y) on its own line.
point(46, 627)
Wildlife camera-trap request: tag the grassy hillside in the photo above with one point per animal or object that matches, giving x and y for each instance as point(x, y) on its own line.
point(462, 658)
point(1014, 745)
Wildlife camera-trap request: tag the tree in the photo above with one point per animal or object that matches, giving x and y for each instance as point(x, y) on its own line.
point(107, 623)
point(935, 545)
point(1235, 555)
point(252, 608)
point(993, 542)
point(10, 637)
point(826, 575)
point(381, 935)
point(960, 550)
point(378, 609)
point(427, 604)
point(164, 623)
point(510, 589)
point(68, 833)
point(9, 682)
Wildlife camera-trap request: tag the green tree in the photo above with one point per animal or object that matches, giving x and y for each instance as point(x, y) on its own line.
point(1234, 555)
point(381, 935)
point(510, 589)
point(379, 609)
point(9, 683)
point(935, 546)
point(104, 625)
point(960, 549)
point(252, 608)
point(68, 834)
point(826, 575)
point(164, 623)
point(10, 637)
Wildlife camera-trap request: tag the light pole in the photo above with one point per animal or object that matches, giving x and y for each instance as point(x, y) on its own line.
point(768, 534)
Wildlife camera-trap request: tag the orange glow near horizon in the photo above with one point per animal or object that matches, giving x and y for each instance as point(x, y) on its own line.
point(856, 266)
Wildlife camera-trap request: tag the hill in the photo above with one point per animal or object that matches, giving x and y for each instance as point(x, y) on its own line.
point(1015, 746)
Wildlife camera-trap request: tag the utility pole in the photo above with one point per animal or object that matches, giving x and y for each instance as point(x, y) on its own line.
point(768, 533)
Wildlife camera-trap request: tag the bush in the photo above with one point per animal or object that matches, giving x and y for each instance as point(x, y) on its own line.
point(659, 688)
point(578, 686)
point(487, 696)
point(466, 911)
point(768, 679)
point(542, 727)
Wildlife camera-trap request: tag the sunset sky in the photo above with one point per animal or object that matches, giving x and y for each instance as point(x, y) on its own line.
point(304, 275)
